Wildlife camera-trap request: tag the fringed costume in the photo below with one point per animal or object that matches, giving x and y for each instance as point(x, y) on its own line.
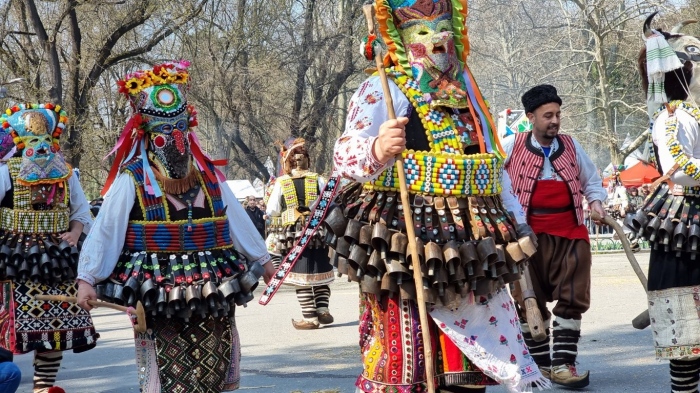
point(288, 205)
point(461, 206)
point(41, 201)
point(165, 236)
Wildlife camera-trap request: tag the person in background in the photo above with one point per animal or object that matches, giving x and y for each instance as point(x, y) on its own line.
point(256, 215)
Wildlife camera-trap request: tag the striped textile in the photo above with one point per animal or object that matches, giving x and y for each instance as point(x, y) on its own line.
point(308, 305)
point(46, 367)
point(565, 347)
point(685, 375)
point(526, 163)
point(540, 351)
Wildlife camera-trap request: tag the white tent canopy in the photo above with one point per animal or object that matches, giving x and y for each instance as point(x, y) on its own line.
point(243, 189)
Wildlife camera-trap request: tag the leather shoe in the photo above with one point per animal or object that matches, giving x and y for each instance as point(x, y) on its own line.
point(305, 325)
point(567, 375)
point(325, 318)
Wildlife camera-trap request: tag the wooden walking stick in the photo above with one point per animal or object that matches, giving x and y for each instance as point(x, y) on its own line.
point(410, 232)
point(140, 313)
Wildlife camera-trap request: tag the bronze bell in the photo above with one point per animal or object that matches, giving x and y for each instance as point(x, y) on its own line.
point(248, 282)
point(33, 251)
point(148, 292)
point(381, 236)
point(17, 257)
point(389, 285)
point(335, 221)
point(117, 294)
point(420, 247)
point(652, 228)
point(375, 265)
point(45, 263)
point(161, 301)
point(109, 290)
point(36, 273)
point(352, 231)
point(451, 256)
point(229, 288)
point(193, 297)
point(64, 247)
point(131, 288)
point(486, 248)
point(210, 294)
point(24, 268)
point(100, 290)
point(342, 247)
point(56, 269)
point(370, 284)
point(242, 299)
point(342, 266)
point(176, 298)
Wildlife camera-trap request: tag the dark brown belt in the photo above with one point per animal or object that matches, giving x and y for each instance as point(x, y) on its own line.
point(540, 212)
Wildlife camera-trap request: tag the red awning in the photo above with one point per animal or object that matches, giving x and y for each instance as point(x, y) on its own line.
point(638, 174)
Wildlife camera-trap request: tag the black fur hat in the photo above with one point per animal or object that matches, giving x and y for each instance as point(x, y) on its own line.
point(538, 96)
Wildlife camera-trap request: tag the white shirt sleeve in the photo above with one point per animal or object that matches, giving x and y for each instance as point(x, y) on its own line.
point(353, 156)
point(79, 205)
point(689, 139)
point(5, 180)
point(246, 238)
point(274, 205)
point(510, 200)
point(507, 145)
point(591, 183)
point(105, 241)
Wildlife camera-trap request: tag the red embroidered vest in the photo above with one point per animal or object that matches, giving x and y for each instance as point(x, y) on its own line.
point(526, 163)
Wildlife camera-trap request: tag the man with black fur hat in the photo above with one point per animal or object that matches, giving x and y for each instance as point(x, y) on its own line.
point(550, 174)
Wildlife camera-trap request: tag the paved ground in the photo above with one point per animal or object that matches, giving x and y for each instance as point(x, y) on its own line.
point(279, 359)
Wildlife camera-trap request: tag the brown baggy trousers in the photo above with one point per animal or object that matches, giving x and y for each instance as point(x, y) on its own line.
point(561, 272)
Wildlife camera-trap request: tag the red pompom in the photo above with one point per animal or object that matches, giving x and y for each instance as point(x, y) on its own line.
point(56, 389)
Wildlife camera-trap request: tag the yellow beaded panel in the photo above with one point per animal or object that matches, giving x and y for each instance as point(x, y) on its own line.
point(22, 218)
point(290, 215)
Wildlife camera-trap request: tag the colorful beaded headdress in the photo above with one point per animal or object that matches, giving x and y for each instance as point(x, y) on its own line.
point(392, 13)
point(158, 97)
point(35, 130)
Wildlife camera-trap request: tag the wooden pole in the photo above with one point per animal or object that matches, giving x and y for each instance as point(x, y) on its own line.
point(410, 231)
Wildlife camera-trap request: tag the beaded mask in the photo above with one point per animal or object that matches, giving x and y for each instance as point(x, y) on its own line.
point(160, 129)
point(35, 129)
point(421, 36)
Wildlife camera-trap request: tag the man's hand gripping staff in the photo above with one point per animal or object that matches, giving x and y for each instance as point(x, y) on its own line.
point(391, 143)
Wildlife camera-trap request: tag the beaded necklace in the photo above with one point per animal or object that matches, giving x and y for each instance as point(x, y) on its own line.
point(674, 146)
point(439, 127)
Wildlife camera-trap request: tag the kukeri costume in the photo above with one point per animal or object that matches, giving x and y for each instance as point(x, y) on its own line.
point(172, 235)
point(670, 216)
point(550, 182)
point(288, 205)
point(468, 242)
point(41, 199)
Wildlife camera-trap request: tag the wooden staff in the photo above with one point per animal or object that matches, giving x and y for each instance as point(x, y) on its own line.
point(410, 232)
point(140, 313)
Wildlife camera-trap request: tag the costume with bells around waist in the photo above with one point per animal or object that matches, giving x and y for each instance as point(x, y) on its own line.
point(460, 203)
point(670, 216)
point(550, 181)
point(288, 205)
point(41, 200)
point(172, 235)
